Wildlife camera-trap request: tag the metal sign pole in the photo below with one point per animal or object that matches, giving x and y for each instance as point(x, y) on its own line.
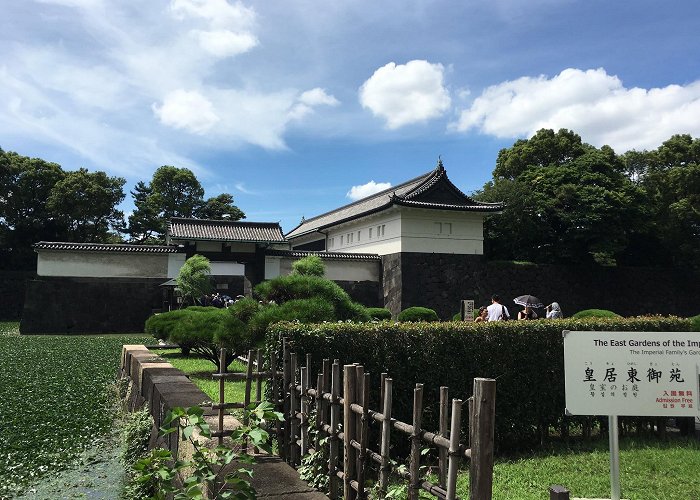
point(614, 458)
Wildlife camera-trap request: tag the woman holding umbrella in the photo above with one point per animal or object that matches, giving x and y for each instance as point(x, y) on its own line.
point(529, 302)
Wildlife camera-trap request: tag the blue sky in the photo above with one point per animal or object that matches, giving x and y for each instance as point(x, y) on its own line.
point(295, 107)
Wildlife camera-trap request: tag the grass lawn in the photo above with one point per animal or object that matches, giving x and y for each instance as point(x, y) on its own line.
point(649, 470)
point(56, 400)
point(200, 370)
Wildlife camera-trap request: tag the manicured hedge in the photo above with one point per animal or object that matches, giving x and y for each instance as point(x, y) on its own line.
point(415, 314)
point(525, 357)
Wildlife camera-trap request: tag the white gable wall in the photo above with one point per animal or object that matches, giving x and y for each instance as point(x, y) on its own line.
point(405, 229)
point(442, 231)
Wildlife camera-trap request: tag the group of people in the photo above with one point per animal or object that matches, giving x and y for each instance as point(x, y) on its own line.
point(498, 312)
point(218, 300)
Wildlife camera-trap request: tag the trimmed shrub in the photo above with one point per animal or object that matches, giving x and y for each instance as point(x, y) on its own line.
point(311, 265)
point(415, 314)
point(695, 323)
point(244, 309)
point(379, 313)
point(297, 286)
point(162, 324)
point(595, 313)
point(525, 357)
point(314, 310)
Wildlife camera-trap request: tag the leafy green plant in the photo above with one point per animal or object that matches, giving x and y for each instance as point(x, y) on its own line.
point(695, 323)
point(418, 314)
point(134, 435)
point(595, 313)
point(311, 265)
point(193, 278)
point(211, 474)
point(379, 313)
point(60, 387)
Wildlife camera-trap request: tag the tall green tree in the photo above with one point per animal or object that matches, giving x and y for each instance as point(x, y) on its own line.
point(86, 204)
point(565, 201)
point(40, 201)
point(670, 177)
point(173, 192)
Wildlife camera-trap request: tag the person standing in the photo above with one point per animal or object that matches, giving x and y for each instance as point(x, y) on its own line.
point(554, 311)
point(497, 311)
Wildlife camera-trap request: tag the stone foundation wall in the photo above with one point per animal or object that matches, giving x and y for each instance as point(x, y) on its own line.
point(90, 305)
point(367, 293)
point(440, 281)
point(12, 291)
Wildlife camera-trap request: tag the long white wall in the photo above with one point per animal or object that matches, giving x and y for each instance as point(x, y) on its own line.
point(336, 270)
point(102, 264)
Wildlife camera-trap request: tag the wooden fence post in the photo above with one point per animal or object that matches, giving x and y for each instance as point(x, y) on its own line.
point(333, 486)
point(453, 459)
point(304, 410)
point(481, 468)
point(350, 457)
point(364, 437)
point(246, 397)
point(444, 424)
point(557, 492)
point(385, 435)
point(414, 465)
point(286, 382)
point(295, 407)
point(222, 397)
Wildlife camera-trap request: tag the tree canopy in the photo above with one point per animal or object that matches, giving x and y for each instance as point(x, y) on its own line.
point(569, 202)
point(40, 201)
point(173, 192)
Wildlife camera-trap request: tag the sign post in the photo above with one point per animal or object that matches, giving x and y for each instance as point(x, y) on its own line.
point(631, 373)
point(466, 310)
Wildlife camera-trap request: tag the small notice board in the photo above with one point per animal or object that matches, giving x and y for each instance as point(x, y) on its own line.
point(632, 373)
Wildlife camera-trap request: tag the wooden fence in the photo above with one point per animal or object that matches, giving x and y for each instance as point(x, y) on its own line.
point(340, 423)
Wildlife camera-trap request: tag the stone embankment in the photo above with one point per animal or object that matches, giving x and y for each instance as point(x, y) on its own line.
point(156, 383)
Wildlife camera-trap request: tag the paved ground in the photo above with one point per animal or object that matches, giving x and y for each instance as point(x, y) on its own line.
point(274, 479)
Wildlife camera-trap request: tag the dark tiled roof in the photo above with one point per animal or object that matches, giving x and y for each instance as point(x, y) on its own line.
point(104, 247)
point(223, 230)
point(431, 190)
point(299, 254)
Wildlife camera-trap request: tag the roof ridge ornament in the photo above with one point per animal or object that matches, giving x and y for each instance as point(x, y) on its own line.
point(440, 167)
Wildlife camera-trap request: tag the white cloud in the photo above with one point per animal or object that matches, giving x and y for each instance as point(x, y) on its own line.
point(317, 97)
point(359, 192)
point(187, 110)
point(592, 103)
point(308, 100)
point(219, 13)
point(406, 93)
point(225, 43)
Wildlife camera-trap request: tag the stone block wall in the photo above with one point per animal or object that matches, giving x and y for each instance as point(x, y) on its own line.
point(440, 281)
point(12, 291)
point(89, 305)
point(367, 293)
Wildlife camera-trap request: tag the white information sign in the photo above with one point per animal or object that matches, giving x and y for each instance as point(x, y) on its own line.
point(632, 373)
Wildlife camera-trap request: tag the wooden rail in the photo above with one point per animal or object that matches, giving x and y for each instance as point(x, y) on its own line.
point(349, 450)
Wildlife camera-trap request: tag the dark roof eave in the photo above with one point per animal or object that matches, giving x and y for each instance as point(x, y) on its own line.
point(495, 208)
point(188, 238)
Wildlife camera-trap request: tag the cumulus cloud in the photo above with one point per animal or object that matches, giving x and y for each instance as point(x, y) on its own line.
point(308, 100)
point(592, 103)
point(317, 97)
point(365, 190)
point(403, 94)
point(187, 110)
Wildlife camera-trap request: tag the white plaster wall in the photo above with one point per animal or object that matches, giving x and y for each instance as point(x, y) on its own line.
point(441, 231)
point(337, 270)
point(175, 262)
point(227, 269)
point(272, 267)
point(102, 264)
point(381, 244)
